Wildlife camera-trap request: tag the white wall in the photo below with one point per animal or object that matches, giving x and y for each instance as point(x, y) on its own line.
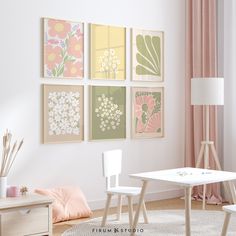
point(39, 165)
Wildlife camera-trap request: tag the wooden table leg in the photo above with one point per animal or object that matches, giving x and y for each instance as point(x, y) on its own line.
point(130, 208)
point(145, 213)
point(104, 219)
point(50, 219)
point(137, 213)
point(204, 197)
point(188, 191)
point(226, 224)
point(119, 207)
point(232, 191)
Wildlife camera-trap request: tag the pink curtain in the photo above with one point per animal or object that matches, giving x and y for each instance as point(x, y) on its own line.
point(201, 61)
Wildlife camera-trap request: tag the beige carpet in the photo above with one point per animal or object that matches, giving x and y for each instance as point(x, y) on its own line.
point(162, 223)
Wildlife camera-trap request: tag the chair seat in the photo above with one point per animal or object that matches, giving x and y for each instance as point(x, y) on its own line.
point(230, 208)
point(125, 190)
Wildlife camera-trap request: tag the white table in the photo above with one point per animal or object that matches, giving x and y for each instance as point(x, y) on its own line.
point(187, 178)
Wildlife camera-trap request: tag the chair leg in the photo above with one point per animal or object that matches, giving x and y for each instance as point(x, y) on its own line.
point(226, 224)
point(104, 219)
point(130, 206)
point(119, 207)
point(145, 213)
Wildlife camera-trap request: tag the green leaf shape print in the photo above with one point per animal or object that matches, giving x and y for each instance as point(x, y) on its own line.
point(148, 56)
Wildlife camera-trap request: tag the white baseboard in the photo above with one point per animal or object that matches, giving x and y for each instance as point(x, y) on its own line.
point(149, 197)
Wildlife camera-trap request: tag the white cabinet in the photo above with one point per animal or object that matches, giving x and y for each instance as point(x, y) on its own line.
point(26, 215)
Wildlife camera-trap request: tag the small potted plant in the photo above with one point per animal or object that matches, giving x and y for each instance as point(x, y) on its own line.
point(23, 190)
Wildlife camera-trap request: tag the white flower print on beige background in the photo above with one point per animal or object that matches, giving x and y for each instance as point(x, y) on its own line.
point(64, 113)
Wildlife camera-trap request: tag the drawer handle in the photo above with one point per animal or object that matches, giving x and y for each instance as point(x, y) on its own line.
point(25, 211)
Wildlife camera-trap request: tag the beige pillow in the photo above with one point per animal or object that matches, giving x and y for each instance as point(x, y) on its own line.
point(69, 203)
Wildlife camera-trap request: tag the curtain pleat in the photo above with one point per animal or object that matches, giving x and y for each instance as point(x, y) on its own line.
point(201, 61)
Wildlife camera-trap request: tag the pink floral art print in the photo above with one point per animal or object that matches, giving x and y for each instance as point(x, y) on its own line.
point(63, 49)
point(147, 112)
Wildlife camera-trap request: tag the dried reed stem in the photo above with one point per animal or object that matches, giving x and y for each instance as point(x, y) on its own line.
point(8, 153)
point(14, 157)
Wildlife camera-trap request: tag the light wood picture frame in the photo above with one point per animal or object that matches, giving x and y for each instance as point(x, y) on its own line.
point(147, 112)
point(147, 55)
point(107, 112)
point(63, 49)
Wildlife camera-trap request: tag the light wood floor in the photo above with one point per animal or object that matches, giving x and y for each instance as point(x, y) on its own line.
point(59, 228)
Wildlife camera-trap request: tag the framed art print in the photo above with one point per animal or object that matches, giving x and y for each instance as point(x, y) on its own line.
point(107, 112)
point(63, 113)
point(107, 52)
point(63, 49)
point(147, 55)
point(147, 112)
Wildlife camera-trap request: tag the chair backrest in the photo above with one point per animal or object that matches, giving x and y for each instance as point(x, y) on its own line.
point(112, 165)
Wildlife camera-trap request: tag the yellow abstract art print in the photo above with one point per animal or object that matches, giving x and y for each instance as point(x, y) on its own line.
point(107, 52)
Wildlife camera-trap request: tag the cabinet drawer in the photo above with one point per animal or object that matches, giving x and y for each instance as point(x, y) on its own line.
point(25, 221)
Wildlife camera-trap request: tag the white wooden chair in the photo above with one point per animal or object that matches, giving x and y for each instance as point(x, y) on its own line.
point(229, 209)
point(112, 167)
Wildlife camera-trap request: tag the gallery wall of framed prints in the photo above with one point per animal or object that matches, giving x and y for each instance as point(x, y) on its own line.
point(64, 65)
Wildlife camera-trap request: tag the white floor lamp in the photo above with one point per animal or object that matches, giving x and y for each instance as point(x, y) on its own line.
point(207, 91)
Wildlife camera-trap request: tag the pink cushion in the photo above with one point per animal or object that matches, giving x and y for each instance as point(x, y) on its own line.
point(69, 203)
